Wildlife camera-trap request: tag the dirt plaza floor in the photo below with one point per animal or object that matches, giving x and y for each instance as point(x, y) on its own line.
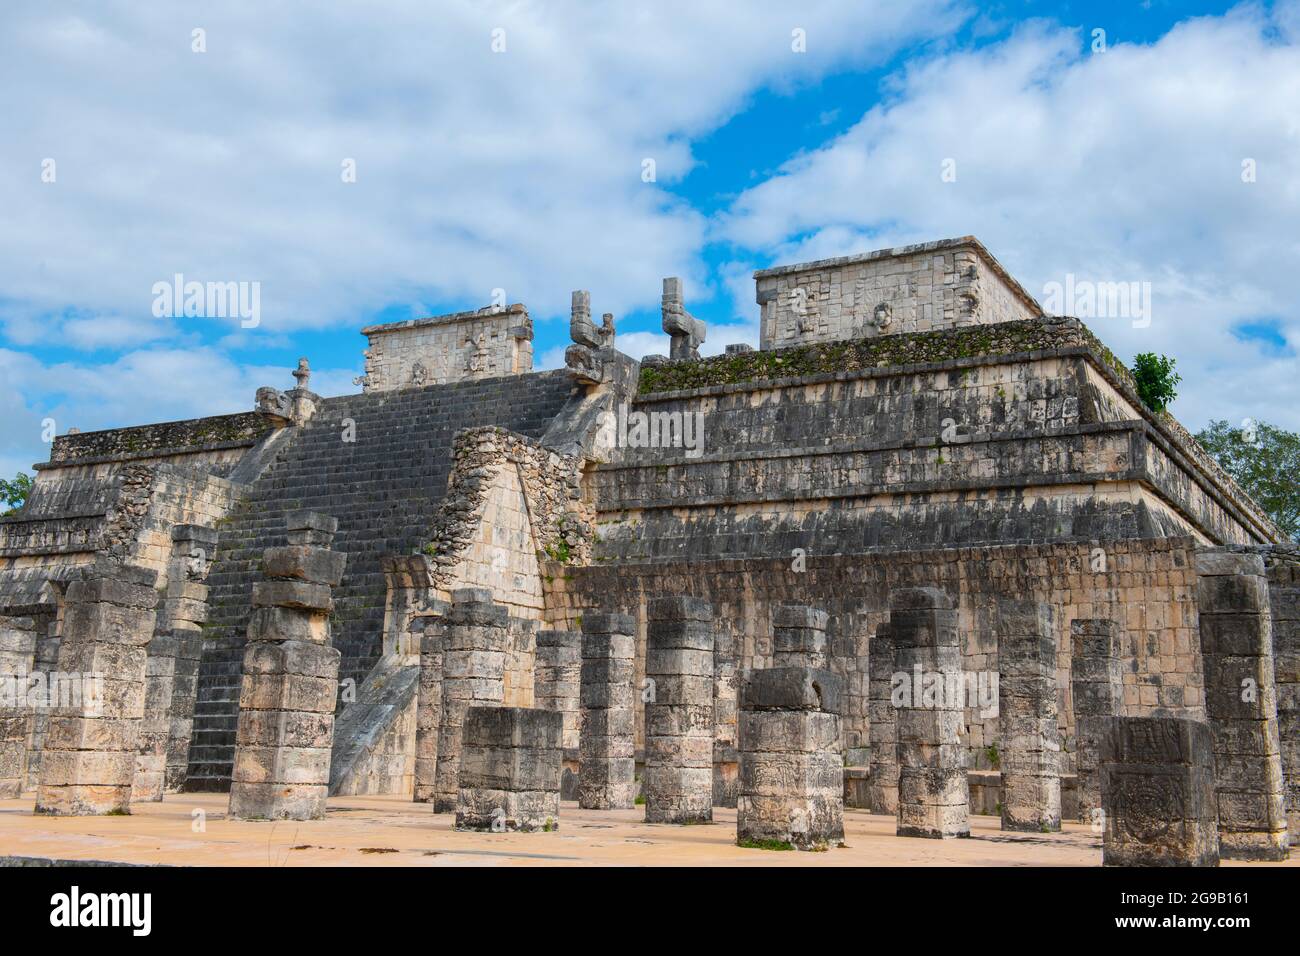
point(192, 830)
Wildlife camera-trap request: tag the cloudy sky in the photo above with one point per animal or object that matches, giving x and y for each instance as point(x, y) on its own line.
point(374, 161)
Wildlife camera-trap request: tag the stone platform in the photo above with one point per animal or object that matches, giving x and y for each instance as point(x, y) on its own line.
point(393, 831)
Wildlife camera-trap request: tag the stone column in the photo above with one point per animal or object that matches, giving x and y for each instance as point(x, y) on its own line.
point(193, 548)
point(181, 615)
point(289, 692)
point(17, 661)
point(90, 746)
point(1157, 793)
point(791, 761)
point(882, 716)
point(798, 636)
point(185, 691)
point(1284, 601)
point(606, 765)
point(559, 659)
point(428, 707)
point(48, 639)
point(1241, 704)
point(726, 716)
point(1027, 717)
point(678, 780)
point(933, 795)
point(509, 774)
point(1097, 687)
point(475, 642)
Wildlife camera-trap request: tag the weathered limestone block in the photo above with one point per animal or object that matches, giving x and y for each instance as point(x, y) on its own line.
point(88, 765)
point(17, 660)
point(678, 781)
point(933, 796)
point(1027, 716)
point(476, 638)
point(1284, 602)
point(556, 682)
point(428, 712)
point(1241, 704)
point(581, 329)
point(44, 664)
point(1157, 792)
point(882, 790)
point(185, 691)
point(172, 665)
point(791, 762)
point(686, 332)
point(1097, 687)
point(285, 733)
point(798, 636)
point(519, 689)
point(155, 726)
point(509, 772)
point(726, 717)
point(606, 766)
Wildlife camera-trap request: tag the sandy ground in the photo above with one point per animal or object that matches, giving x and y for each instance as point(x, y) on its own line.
point(390, 831)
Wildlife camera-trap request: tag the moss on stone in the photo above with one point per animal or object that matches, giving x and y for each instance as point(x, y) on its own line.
point(855, 355)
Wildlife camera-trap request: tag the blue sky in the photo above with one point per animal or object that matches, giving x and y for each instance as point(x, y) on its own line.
point(521, 169)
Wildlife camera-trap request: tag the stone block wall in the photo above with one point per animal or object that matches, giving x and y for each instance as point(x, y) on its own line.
point(1040, 446)
point(936, 285)
point(510, 500)
point(448, 348)
point(1147, 587)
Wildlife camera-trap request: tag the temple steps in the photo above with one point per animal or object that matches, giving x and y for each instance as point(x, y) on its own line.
point(384, 487)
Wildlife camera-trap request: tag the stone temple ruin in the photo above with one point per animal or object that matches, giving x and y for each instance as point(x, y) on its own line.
point(923, 553)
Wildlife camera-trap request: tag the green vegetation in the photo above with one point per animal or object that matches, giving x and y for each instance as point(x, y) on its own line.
point(1156, 379)
point(558, 550)
point(1265, 461)
point(14, 493)
point(992, 756)
point(765, 844)
point(906, 348)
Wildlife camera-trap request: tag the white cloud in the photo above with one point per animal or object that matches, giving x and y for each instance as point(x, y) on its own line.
point(148, 385)
point(1125, 165)
point(475, 170)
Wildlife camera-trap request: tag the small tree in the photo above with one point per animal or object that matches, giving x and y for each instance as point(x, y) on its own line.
point(1265, 461)
point(1156, 379)
point(14, 493)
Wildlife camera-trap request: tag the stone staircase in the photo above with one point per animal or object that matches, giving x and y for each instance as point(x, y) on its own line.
point(384, 488)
